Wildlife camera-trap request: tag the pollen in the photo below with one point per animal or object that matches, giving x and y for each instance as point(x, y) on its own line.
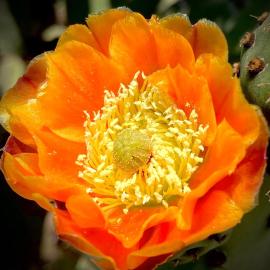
point(141, 149)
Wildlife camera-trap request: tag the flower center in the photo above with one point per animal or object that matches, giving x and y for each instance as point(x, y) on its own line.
point(141, 148)
point(131, 150)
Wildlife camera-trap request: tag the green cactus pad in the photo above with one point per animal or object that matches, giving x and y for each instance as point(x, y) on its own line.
point(254, 66)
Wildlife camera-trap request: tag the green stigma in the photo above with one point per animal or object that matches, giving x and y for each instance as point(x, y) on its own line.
point(131, 150)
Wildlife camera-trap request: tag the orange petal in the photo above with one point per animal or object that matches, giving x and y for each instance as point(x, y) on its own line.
point(22, 180)
point(240, 114)
point(101, 25)
point(250, 173)
point(165, 239)
point(208, 38)
point(133, 46)
point(244, 184)
point(54, 89)
point(228, 99)
point(28, 163)
point(178, 23)
point(95, 242)
point(216, 212)
point(218, 74)
point(43, 201)
point(69, 232)
point(189, 92)
point(172, 48)
point(57, 156)
point(211, 171)
point(205, 36)
point(129, 228)
point(26, 87)
point(18, 130)
point(22, 93)
point(31, 122)
point(226, 138)
point(84, 212)
point(76, 84)
point(78, 32)
point(14, 146)
point(57, 159)
point(23, 175)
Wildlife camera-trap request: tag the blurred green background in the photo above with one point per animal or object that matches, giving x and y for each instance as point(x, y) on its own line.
point(29, 27)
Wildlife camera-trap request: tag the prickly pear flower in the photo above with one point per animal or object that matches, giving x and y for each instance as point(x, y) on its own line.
point(134, 133)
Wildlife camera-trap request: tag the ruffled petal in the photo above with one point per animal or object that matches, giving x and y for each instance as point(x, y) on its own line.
point(23, 174)
point(228, 99)
point(76, 85)
point(84, 212)
point(208, 38)
point(245, 182)
point(129, 228)
point(133, 46)
point(216, 212)
point(96, 242)
point(226, 137)
point(71, 233)
point(21, 178)
point(56, 93)
point(205, 36)
point(24, 92)
point(240, 114)
point(218, 74)
point(178, 23)
point(69, 88)
point(211, 171)
point(57, 159)
point(14, 146)
point(78, 32)
point(44, 172)
point(172, 48)
point(189, 92)
point(164, 239)
point(101, 25)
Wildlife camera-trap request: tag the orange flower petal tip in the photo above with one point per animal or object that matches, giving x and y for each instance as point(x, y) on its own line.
point(138, 130)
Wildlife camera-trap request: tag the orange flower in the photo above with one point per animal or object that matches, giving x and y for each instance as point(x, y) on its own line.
point(136, 136)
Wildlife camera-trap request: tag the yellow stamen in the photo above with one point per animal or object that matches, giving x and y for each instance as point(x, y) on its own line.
point(141, 148)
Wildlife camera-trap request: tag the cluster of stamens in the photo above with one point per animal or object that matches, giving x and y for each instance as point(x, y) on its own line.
point(141, 149)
